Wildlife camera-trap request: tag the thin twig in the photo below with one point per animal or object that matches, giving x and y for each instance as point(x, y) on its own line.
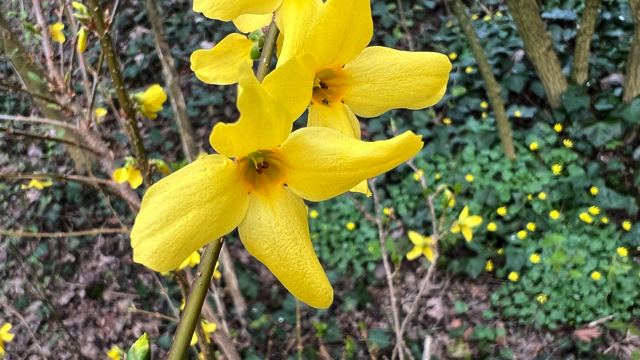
point(165, 293)
point(26, 325)
point(299, 329)
point(403, 23)
point(155, 314)
point(18, 233)
point(50, 138)
point(41, 97)
point(46, 45)
point(267, 51)
point(38, 120)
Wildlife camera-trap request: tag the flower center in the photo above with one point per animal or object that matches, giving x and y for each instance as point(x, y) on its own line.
point(262, 169)
point(328, 86)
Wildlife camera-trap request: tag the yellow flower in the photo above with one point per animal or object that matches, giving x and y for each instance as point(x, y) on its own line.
point(416, 176)
point(518, 113)
point(542, 196)
point(182, 305)
point(484, 115)
point(423, 245)
point(594, 210)
point(623, 252)
point(522, 234)
point(531, 226)
point(475, 16)
point(386, 211)
point(557, 169)
point(513, 276)
point(484, 105)
point(115, 353)
point(542, 298)
point(191, 261)
point(449, 195)
point(533, 145)
point(465, 223)
point(534, 258)
point(492, 226)
point(437, 176)
point(594, 190)
point(34, 183)
point(447, 121)
point(449, 24)
point(351, 226)
point(488, 265)
point(82, 39)
point(626, 225)
point(453, 56)
point(208, 328)
point(99, 112)
point(151, 100)
point(596, 275)
point(605, 220)
point(56, 32)
point(557, 127)
point(216, 272)
point(498, 14)
point(487, 17)
point(5, 336)
point(500, 251)
point(469, 70)
point(262, 191)
point(567, 143)
point(530, 197)
point(128, 174)
point(313, 214)
point(469, 178)
point(502, 211)
point(586, 218)
point(554, 214)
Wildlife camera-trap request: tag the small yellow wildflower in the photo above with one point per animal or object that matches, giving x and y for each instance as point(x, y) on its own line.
point(386, 211)
point(557, 169)
point(530, 197)
point(534, 258)
point(488, 265)
point(484, 115)
point(502, 211)
point(513, 276)
point(522, 234)
point(56, 32)
point(475, 16)
point(469, 178)
point(416, 176)
point(313, 214)
point(499, 14)
point(437, 176)
point(554, 214)
point(453, 56)
point(492, 226)
point(34, 183)
point(449, 23)
point(626, 225)
point(533, 146)
point(192, 260)
point(542, 298)
point(465, 223)
point(487, 18)
point(500, 251)
point(594, 190)
point(622, 251)
point(557, 127)
point(128, 174)
point(518, 113)
point(351, 226)
point(115, 353)
point(447, 121)
point(596, 275)
point(531, 226)
point(586, 218)
point(468, 70)
point(542, 196)
point(484, 105)
point(423, 245)
point(567, 143)
point(605, 220)
point(99, 112)
point(151, 100)
point(5, 336)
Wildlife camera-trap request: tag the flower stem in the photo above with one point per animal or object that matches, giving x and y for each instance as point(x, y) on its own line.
point(267, 51)
point(194, 302)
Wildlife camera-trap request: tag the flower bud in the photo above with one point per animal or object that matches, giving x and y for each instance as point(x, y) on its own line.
point(140, 350)
point(82, 39)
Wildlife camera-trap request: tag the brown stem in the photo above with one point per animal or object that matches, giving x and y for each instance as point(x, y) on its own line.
point(299, 329)
point(64, 234)
point(38, 96)
point(51, 138)
point(130, 123)
point(46, 45)
point(632, 77)
point(580, 72)
point(493, 88)
point(38, 121)
point(403, 23)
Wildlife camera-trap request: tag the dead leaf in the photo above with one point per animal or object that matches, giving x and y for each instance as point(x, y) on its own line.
point(467, 332)
point(586, 334)
point(434, 308)
point(455, 323)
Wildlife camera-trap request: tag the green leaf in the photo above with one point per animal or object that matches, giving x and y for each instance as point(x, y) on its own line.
point(458, 90)
point(632, 112)
point(575, 98)
point(602, 132)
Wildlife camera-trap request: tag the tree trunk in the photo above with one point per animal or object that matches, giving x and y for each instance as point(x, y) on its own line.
point(493, 88)
point(580, 72)
point(538, 45)
point(632, 78)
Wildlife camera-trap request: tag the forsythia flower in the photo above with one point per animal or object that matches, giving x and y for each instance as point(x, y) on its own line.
point(502, 211)
point(567, 143)
point(596, 275)
point(262, 191)
point(586, 218)
point(594, 210)
point(594, 190)
point(313, 214)
point(56, 32)
point(422, 245)
point(115, 353)
point(554, 214)
point(82, 39)
point(99, 112)
point(453, 56)
point(386, 211)
point(518, 113)
point(534, 258)
point(446, 121)
point(513, 276)
point(623, 252)
point(531, 226)
point(5, 336)
point(522, 234)
point(128, 174)
point(191, 261)
point(488, 265)
point(416, 176)
point(468, 70)
point(542, 196)
point(351, 226)
point(626, 225)
point(492, 226)
point(34, 183)
point(465, 223)
point(151, 100)
point(533, 146)
point(469, 178)
point(208, 328)
point(542, 298)
point(557, 169)
point(557, 127)
point(484, 105)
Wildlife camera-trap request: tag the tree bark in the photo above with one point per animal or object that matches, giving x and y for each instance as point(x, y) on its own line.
point(580, 72)
point(493, 88)
point(632, 77)
point(539, 48)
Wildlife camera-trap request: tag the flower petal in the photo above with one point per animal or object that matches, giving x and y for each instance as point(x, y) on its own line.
point(121, 175)
point(362, 188)
point(227, 10)
point(276, 232)
point(323, 163)
point(428, 253)
point(416, 238)
point(267, 110)
point(464, 214)
point(415, 252)
point(383, 79)
point(186, 210)
point(335, 32)
point(249, 22)
point(220, 64)
point(467, 233)
point(334, 115)
point(455, 228)
point(473, 221)
point(135, 178)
